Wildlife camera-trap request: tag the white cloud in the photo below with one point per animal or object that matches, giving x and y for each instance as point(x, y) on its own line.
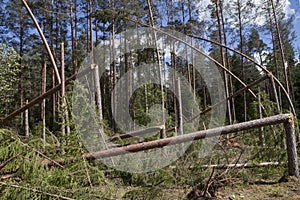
point(204, 12)
point(254, 16)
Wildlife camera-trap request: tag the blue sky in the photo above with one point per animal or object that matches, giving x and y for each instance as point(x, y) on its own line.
point(295, 4)
point(291, 7)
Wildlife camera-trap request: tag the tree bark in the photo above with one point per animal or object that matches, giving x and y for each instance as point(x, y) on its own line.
point(261, 129)
point(44, 41)
point(26, 122)
point(275, 94)
point(98, 92)
point(227, 60)
point(113, 71)
point(277, 74)
point(293, 167)
point(277, 119)
point(223, 61)
point(136, 133)
point(72, 37)
point(53, 100)
point(149, 2)
point(284, 62)
point(43, 106)
point(63, 106)
point(21, 63)
point(180, 117)
point(242, 58)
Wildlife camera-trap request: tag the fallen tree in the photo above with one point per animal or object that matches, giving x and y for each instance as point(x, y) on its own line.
point(287, 119)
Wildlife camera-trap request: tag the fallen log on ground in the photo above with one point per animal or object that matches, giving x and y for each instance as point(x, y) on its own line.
point(277, 119)
point(241, 165)
point(136, 133)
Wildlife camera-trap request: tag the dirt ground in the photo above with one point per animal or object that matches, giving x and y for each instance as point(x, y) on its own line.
point(289, 189)
point(261, 190)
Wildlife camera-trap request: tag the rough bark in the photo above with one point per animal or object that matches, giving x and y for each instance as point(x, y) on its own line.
point(293, 167)
point(43, 106)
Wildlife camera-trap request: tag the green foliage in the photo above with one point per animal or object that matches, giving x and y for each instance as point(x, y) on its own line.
point(83, 179)
point(73, 180)
point(9, 73)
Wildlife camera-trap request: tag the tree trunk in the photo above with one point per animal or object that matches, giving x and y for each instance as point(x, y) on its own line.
point(173, 64)
point(114, 71)
point(26, 121)
point(223, 61)
point(21, 63)
point(136, 133)
point(275, 58)
point(43, 106)
point(63, 106)
point(275, 94)
point(284, 62)
point(44, 41)
point(98, 92)
point(277, 119)
point(293, 167)
point(65, 114)
point(72, 37)
point(149, 2)
point(53, 100)
point(261, 129)
point(180, 116)
point(227, 60)
point(242, 58)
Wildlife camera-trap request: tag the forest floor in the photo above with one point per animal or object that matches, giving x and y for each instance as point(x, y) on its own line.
point(288, 189)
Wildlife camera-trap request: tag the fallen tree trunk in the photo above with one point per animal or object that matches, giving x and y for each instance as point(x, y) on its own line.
point(241, 165)
point(277, 119)
point(137, 133)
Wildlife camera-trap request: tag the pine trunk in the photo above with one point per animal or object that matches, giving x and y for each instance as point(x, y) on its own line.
point(43, 105)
